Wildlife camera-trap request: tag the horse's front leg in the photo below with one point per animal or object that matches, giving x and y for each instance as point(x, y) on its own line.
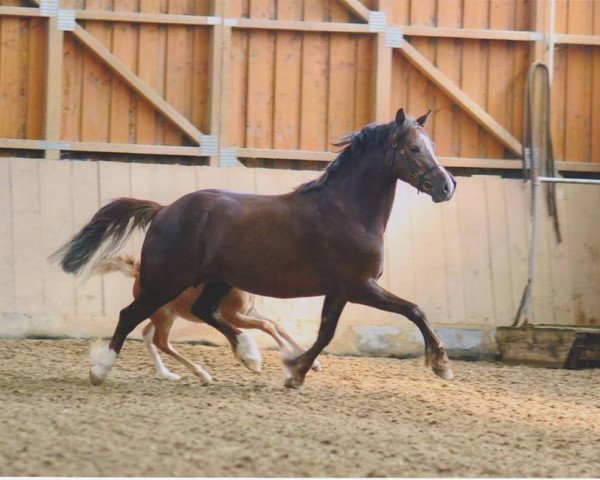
point(373, 295)
point(296, 369)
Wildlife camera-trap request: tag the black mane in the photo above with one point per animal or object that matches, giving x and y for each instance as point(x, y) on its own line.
point(371, 136)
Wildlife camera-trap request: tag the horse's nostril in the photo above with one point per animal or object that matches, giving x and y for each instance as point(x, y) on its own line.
point(446, 188)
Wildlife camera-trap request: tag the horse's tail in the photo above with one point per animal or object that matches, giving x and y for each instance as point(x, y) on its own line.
point(123, 263)
point(109, 228)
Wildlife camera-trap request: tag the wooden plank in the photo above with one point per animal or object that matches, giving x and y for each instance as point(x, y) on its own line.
point(7, 267)
point(467, 33)
point(382, 84)
point(342, 78)
point(35, 78)
point(218, 51)
point(261, 50)
point(202, 47)
point(142, 17)
point(500, 67)
point(568, 39)
point(559, 85)
point(288, 74)
point(515, 192)
point(177, 71)
point(95, 98)
point(473, 78)
point(73, 61)
point(114, 182)
point(55, 219)
point(453, 262)
point(86, 202)
point(130, 148)
point(10, 102)
point(498, 219)
point(134, 81)
point(460, 97)
point(151, 37)
point(595, 103)
point(122, 99)
point(313, 128)
point(475, 252)
point(447, 59)
point(236, 77)
point(10, 11)
point(27, 251)
point(54, 70)
point(365, 83)
point(579, 85)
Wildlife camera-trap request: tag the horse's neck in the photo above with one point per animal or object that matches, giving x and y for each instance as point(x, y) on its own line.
point(367, 190)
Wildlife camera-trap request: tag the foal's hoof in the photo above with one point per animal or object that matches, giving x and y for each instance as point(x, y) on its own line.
point(316, 366)
point(443, 372)
point(248, 353)
point(204, 377)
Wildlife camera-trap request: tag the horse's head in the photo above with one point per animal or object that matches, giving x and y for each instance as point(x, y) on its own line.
point(414, 161)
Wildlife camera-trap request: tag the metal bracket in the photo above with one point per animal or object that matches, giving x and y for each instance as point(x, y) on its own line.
point(393, 37)
point(48, 8)
point(209, 145)
point(377, 21)
point(228, 158)
point(66, 20)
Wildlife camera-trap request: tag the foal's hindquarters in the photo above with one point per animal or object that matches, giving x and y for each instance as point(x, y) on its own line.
point(237, 309)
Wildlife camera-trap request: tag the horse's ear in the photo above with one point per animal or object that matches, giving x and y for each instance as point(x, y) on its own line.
point(400, 117)
point(422, 118)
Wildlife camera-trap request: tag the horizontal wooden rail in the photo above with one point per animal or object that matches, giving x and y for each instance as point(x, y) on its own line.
point(298, 25)
point(134, 17)
point(569, 39)
point(19, 11)
point(474, 33)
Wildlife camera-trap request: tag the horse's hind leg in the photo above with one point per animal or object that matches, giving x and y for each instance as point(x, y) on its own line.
point(163, 322)
point(206, 308)
point(148, 335)
point(104, 358)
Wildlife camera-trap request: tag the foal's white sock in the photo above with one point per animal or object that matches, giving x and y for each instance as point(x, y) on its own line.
point(102, 359)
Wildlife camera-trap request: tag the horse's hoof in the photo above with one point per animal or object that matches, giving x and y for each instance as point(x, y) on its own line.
point(316, 366)
point(443, 372)
point(292, 382)
point(97, 375)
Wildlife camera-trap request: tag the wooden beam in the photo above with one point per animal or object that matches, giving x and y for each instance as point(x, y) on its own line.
point(54, 67)
point(285, 154)
point(461, 98)
point(474, 33)
point(357, 8)
point(138, 85)
point(570, 39)
point(382, 84)
point(137, 17)
point(300, 26)
point(19, 11)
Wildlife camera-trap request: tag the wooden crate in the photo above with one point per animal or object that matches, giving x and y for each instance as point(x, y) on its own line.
point(555, 346)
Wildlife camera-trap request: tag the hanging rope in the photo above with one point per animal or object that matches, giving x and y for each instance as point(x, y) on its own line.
point(538, 154)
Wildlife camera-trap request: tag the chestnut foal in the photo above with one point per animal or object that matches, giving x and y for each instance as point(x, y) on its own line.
point(237, 309)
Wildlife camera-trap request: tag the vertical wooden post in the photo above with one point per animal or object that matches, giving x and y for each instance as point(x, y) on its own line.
point(216, 59)
point(543, 23)
point(383, 73)
point(54, 67)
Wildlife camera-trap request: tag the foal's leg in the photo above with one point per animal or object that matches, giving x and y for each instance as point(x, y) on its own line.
point(163, 322)
point(435, 355)
point(296, 369)
point(293, 347)
point(104, 358)
point(206, 308)
point(148, 336)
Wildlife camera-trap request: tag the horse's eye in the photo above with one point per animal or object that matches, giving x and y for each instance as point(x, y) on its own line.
point(415, 149)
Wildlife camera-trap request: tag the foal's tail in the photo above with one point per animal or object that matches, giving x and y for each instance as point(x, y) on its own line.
point(109, 228)
point(123, 263)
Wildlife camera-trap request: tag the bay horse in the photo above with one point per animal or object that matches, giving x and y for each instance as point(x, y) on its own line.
point(323, 238)
point(237, 308)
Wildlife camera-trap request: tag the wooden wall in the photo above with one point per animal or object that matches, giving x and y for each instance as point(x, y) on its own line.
point(464, 262)
point(283, 79)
